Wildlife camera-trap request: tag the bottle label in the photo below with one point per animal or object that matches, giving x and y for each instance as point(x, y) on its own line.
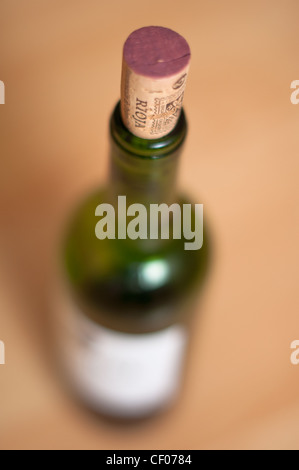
point(124, 374)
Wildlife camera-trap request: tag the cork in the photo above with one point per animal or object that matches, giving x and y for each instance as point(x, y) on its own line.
point(155, 67)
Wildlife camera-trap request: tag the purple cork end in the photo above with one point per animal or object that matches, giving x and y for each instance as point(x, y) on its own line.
point(156, 52)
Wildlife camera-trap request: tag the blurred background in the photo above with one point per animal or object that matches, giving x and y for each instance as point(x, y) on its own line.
point(61, 63)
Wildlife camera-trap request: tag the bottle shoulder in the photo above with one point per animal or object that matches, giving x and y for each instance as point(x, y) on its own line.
point(138, 278)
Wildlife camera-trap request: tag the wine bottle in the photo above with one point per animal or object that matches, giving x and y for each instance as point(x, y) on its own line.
point(130, 289)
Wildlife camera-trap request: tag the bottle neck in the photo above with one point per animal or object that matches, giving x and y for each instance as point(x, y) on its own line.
point(144, 170)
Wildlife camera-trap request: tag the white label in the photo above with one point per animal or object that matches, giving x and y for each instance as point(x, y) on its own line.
point(124, 374)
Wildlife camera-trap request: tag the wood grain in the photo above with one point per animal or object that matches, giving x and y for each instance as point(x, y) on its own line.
point(240, 160)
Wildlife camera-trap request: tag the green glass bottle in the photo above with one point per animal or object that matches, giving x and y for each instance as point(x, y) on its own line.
point(130, 297)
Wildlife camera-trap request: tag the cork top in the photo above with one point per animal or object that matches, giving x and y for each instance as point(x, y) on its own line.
point(155, 67)
point(156, 52)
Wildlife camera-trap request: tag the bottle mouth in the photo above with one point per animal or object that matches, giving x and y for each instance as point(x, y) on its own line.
point(147, 148)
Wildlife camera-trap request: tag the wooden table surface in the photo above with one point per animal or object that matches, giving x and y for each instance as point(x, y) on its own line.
point(60, 62)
